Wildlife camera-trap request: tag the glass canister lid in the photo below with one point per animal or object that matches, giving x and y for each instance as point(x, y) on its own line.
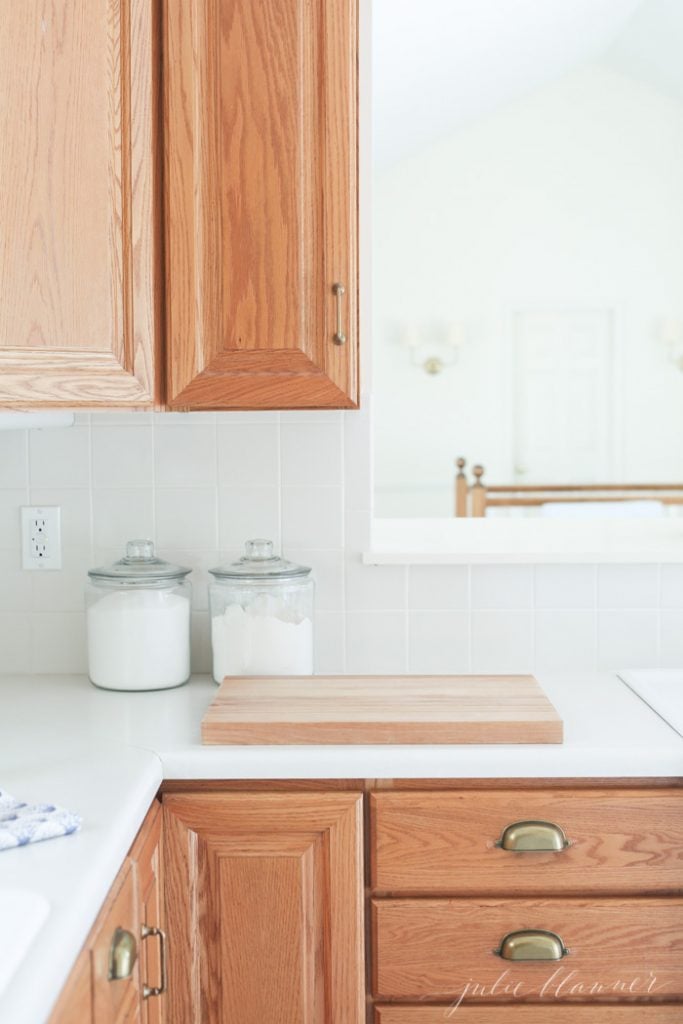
point(139, 565)
point(259, 563)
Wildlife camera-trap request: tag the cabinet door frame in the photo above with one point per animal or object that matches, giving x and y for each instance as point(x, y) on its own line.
point(324, 832)
point(123, 369)
point(260, 333)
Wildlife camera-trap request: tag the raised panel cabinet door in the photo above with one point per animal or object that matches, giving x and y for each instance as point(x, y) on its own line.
point(78, 210)
point(264, 898)
point(261, 203)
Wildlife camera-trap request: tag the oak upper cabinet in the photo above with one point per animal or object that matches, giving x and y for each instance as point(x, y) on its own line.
point(264, 896)
point(78, 228)
point(261, 203)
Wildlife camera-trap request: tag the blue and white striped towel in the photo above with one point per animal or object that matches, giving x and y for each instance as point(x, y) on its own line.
point(30, 823)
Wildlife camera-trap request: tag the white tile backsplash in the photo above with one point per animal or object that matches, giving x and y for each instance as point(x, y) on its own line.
point(672, 586)
point(248, 454)
point(502, 586)
point(122, 456)
point(185, 455)
point(14, 458)
point(311, 453)
point(439, 641)
point(376, 642)
point(566, 586)
point(502, 640)
point(60, 457)
point(628, 638)
point(201, 484)
point(566, 640)
point(438, 587)
point(628, 586)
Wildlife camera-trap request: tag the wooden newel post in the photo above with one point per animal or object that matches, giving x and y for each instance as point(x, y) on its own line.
point(478, 493)
point(461, 489)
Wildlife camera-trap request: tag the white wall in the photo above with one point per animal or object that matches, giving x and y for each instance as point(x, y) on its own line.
point(201, 484)
point(568, 198)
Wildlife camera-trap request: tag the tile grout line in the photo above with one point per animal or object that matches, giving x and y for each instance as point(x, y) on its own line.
point(278, 448)
point(344, 623)
point(470, 641)
point(217, 489)
point(596, 622)
point(534, 624)
point(406, 616)
point(659, 614)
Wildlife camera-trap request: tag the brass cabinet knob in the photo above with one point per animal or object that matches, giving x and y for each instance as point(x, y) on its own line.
point(122, 955)
point(533, 836)
point(531, 944)
point(156, 990)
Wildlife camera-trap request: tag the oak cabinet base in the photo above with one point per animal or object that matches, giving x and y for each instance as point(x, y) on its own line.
point(264, 896)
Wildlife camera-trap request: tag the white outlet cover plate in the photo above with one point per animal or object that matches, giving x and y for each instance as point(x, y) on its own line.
point(50, 535)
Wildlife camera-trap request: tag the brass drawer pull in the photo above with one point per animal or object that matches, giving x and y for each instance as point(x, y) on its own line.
point(532, 944)
point(122, 955)
point(156, 990)
point(533, 836)
point(339, 338)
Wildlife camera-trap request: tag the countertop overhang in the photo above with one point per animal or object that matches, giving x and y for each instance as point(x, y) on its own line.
point(106, 754)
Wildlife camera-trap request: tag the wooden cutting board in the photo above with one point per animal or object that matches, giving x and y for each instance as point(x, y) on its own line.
point(381, 709)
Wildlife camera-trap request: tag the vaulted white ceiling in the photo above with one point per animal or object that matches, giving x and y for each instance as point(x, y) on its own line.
point(439, 63)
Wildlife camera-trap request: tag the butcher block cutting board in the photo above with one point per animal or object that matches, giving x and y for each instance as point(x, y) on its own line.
point(381, 709)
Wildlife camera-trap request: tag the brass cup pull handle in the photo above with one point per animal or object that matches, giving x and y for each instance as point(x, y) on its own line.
point(339, 338)
point(122, 955)
point(531, 944)
point(156, 990)
point(533, 837)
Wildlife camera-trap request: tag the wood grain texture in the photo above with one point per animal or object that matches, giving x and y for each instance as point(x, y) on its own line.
point(431, 949)
point(79, 261)
point(261, 202)
point(551, 1013)
point(264, 900)
point(114, 1001)
point(145, 855)
point(622, 841)
point(75, 1002)
point(381, 709)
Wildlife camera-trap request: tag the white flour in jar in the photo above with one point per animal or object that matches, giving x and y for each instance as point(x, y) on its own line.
point(259, 642)
point(139, 640)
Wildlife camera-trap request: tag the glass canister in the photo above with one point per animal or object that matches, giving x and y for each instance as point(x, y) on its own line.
point(138, 622)
point(261, 615)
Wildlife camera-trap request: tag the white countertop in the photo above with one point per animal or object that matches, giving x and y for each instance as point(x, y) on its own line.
point(104, 755)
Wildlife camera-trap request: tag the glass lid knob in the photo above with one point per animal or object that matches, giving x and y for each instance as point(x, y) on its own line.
point(259, 550)
point(140, 550)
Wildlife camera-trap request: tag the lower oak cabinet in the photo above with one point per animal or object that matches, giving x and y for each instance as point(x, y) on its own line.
point(481, 901)
point(264, 895)
point(119, 976)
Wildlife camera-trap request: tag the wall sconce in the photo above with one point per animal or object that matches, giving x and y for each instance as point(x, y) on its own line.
point(671, 335)
point(433, 347)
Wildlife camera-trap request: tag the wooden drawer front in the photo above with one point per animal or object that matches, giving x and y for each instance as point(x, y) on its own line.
point(621, 841)
point(115, 1001)
point(432, 949)
point(554, 1013)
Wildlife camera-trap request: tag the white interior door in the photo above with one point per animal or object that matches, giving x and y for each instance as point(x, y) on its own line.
point(563, 396)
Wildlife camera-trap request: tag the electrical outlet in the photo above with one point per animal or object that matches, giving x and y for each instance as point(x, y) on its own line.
point(41, 540)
